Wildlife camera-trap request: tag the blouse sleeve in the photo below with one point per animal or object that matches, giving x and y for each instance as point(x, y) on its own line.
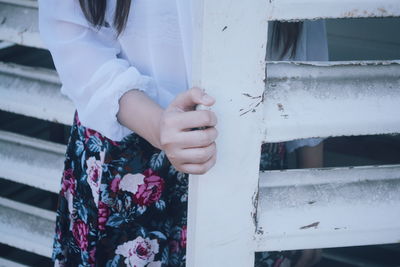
point(86, 59)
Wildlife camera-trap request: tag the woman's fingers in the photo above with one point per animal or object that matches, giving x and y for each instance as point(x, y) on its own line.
point(192, 119)
point(190, 139)
point(189, 99)
point(197, 155)
point(198, 138)
point(199, 168)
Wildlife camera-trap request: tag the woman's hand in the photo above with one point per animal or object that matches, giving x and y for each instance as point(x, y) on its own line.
point(187, 135)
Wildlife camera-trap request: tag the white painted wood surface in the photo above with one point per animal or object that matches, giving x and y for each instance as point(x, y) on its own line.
point(230, 40)
point(315, 9)
point(322, 99)
point(26, 227)
point(320, 208)
point(31, 161)
point(8, 263)
point(34, 92)
point(19, 22)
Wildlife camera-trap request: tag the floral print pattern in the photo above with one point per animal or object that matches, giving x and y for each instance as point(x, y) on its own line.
point(139, 252)
point(123, 203)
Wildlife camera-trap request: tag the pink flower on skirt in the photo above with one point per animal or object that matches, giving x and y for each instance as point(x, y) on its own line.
point(68, 182)
point(80, 232)
point(92, 257)
point(150, 191)
point(68, 188)
point(146, 188)
point(94, 170)
point(103, 214)
point(183, 236)
point(139, 252)
point(94, 173)
point(115, 184)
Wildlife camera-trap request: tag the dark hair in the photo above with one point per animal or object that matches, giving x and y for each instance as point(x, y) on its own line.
point(288, 34)
point(95, 10)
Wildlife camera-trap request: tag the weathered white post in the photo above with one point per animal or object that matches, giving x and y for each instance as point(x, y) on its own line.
point(230, 40)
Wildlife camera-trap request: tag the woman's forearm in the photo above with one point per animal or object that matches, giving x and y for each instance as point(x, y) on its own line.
point(141, 114)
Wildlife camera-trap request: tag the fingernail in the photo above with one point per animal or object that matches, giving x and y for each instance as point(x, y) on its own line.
point(207, 98)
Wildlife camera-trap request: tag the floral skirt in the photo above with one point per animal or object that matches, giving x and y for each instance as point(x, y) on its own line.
point(123, 204)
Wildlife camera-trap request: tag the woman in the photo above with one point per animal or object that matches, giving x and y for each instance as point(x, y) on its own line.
point(135, 135)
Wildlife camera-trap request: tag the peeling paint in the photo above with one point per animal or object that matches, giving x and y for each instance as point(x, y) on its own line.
point(285, 116)
point(313, 225)
point(252, 107)
point(244, 113)
point(382, 10)
point(255, 207)
point(367, 93)
point(289, 10)
point(252, 97)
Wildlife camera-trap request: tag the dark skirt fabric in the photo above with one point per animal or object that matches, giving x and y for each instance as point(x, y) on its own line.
point(123, 204)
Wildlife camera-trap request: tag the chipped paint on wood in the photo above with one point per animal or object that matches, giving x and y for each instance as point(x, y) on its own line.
point(312, 225)
point(23, 3)
point(322, 99)
point(19, 23)
point(317, 9)
point(328, 207)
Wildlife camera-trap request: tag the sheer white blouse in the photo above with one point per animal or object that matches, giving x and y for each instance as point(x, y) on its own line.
point(97, 67)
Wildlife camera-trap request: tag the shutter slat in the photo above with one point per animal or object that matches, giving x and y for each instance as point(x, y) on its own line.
point(34, 92)
point(19, 22)
point(24, 227)
point(323, 9)
point(320, 208)
point(304, 100)
point(31, 161)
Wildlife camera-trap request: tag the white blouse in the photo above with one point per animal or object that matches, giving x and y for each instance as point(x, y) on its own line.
point(97, 67)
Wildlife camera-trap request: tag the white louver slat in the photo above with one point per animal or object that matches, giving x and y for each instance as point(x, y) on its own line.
point(324, 9)
point(26, 227)
point(8, 263)
point(19, 23)
point(34, 92)
point(31, 161)
point(332, 207)
point(304, 100)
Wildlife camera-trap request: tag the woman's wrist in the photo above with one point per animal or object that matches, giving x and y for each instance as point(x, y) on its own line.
point(141, 114)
